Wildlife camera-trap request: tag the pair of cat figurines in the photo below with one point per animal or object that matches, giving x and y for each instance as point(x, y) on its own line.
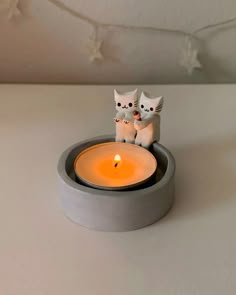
point(137, 122)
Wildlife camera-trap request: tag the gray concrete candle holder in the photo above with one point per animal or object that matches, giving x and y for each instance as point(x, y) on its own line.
point(116, 210)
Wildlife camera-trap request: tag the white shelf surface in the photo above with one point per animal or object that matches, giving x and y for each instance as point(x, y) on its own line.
point(191, 251)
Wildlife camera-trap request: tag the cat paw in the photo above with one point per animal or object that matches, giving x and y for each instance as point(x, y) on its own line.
point(126, 122)
point(138, 123)
point(117, 120)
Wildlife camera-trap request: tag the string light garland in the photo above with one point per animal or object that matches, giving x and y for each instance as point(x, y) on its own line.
point(189, 54)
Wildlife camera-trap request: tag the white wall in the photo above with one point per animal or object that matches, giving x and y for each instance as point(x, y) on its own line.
point(48, 45)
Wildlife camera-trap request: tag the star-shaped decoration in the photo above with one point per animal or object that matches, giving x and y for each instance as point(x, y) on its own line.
point(189, 59)
point(10, 7)
point(13, 9)
point(94, 48)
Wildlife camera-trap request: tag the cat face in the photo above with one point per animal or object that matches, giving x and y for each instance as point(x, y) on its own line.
point(150, 105)
point(126, 102)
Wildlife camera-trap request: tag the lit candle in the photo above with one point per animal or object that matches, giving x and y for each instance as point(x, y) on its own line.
point(117, 160)
point(114, 166)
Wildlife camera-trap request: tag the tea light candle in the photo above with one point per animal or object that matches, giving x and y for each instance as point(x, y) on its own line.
point(114, 166)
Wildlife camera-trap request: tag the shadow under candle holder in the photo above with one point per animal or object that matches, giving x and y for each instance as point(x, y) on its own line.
point(205, 178)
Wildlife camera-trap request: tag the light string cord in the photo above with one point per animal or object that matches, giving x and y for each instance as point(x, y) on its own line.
point(95, 23)
point(189, 53)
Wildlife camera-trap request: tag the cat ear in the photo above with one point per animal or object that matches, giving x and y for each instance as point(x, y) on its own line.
point(135, 94)
point(116, 94)
point(145, 95)
point(142, 95)
point(160, 102)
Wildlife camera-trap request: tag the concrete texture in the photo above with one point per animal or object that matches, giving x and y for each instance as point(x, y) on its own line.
point(115, 210)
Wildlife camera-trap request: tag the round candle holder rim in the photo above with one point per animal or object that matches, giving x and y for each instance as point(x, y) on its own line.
point(169, 173)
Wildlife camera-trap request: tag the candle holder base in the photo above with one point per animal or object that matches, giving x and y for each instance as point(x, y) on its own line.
point(116, 210)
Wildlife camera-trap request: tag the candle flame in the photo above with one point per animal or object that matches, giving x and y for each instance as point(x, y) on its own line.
point(116, 160)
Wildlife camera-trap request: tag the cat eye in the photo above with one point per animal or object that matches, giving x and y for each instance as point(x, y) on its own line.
point(130, 104)
point(142, 106)
point(151, 109)
point(119, 104)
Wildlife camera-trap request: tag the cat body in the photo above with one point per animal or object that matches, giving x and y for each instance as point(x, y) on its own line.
point(148, 128)
point(126, 103)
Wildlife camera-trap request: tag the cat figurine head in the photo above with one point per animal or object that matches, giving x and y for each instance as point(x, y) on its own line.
point(150, 105)
point(127, 101)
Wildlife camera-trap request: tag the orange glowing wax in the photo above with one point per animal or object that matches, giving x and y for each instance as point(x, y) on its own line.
point(114, 165)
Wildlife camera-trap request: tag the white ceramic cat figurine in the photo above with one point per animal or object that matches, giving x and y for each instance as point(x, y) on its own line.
point(148, 127)
point(126, 103)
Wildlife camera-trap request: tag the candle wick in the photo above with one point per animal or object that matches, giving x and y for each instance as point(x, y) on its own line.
point(116, 164)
